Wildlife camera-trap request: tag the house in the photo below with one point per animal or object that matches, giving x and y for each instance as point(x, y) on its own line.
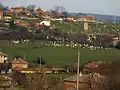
point(87, 82)
point(18, 9)
point(46, 23)
point(46, 15)
point(70, 18)
point(7, 18)
point(93, 64)
point(19, 63)
point(70, 83)
point(38, 12)
point(3, 57)
point(21, 23)
point(90, 18)
point(60, 15)
point(1, 14)
point(88, 68)
point(7, 13)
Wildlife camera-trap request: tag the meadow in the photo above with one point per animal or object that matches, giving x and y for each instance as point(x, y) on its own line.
point(57, 56)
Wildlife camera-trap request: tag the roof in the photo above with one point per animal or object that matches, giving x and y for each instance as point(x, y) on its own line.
point(82, 79)
point(19, 61)
point(3, 54)
point(38, 69)
point(18, 8)
point(60, 15)
point(94, 64)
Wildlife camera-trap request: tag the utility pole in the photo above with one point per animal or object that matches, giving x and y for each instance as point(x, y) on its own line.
point(24, 56)
point(71, 27)
point(40, 62)
point(78, 70)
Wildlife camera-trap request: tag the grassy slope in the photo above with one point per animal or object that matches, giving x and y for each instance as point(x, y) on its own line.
point(74, 28)
point(96, 28)
point(58, 56)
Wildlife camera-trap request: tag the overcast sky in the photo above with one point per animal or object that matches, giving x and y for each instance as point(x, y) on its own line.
point(87, 6)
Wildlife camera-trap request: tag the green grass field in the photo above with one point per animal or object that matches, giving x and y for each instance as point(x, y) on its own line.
point(57, 56)
point(93, 27)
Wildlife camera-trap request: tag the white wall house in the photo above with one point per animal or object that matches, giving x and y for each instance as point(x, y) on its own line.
point(46, 23)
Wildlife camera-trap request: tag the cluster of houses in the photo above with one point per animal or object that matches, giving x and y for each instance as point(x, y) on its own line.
point(47, 16)
point(21, 65)
point(40, 13)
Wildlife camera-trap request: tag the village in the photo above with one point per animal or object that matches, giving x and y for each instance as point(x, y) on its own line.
point(22, 66)
point(54, 50)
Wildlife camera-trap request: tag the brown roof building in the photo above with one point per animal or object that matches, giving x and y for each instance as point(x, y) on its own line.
point(93, 65)
point(70, 83)
point(19, 63)
point(87, 82)
point(18, 9)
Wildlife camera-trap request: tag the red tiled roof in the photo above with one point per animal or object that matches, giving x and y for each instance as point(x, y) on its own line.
point(82, 79)
point(18, 8)
point(94, 64)
point(19, 61)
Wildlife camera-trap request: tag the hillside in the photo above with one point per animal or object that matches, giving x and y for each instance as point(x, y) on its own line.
point(99, 16)
point(57, 56)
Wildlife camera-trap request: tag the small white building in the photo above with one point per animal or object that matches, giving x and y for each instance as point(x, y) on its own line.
point(46, 23)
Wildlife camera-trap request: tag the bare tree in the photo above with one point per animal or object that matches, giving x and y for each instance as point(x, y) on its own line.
point(111, 70)
point(31, 7)
point(41, 82)
point(2, 7)
point(20, 79)
point(58, 9)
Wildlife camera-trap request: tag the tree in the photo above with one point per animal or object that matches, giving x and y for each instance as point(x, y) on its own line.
point(41, 82)
point(65, 13)
point(80, 14)
point(20, 79)
point(12, 25)
point(40, 60)
point(38, 9)
point(70, 69)
point(31, 7)
point(23, 31)
point(58, 9)
point(6, 8)
point(5, 67)
point(22, 14)
point(1, 6)
point(117, 45)
point(111, 70)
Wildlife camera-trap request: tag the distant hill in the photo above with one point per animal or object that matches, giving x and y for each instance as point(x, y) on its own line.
point(99, 16)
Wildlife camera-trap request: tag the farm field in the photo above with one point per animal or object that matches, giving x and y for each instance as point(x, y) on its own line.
point(57, 56)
